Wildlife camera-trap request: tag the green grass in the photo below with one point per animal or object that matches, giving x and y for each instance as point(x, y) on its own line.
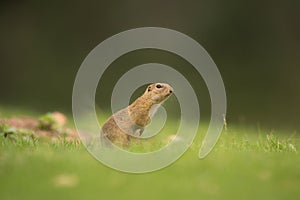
point(245, 164)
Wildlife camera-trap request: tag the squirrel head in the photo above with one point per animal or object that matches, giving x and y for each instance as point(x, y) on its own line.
point(158, 92)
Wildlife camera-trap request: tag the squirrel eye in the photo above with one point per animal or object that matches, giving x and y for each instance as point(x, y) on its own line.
point(158, 86)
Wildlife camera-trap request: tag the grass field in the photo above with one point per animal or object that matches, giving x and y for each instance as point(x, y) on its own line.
point(245, 164)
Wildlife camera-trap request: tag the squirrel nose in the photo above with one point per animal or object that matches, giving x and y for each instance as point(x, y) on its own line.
point(170, 91)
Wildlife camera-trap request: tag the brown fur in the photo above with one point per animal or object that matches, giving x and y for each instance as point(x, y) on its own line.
point(133, 119)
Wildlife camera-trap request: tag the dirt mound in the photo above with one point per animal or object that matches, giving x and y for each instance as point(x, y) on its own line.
point(50, 126)
point(21, 122)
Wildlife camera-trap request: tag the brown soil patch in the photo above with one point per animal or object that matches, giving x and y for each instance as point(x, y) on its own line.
point(33, 124)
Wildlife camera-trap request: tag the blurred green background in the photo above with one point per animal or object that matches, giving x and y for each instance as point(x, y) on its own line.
point(255, 44)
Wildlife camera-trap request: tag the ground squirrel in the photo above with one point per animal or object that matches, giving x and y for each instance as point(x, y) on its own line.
point(130, 121)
